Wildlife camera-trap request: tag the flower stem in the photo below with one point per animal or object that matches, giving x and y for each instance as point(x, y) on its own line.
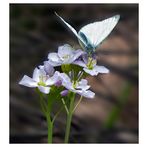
point(46, 112)
point(55, 116)
point(69, 118)
point(78, 103)
point(65, 106)
point(50, 129)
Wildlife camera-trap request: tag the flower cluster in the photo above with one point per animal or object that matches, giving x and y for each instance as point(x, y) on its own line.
point(75, 65)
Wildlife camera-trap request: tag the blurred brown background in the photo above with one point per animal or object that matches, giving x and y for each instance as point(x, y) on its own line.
point(112, 117)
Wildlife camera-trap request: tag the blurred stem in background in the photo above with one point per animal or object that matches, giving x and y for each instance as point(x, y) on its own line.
point(116, 110)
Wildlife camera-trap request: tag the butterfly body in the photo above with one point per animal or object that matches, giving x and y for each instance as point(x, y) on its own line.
point(92, 35)
point(88, 46)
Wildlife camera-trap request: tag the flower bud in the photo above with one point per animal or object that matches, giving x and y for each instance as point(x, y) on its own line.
point(64, 93)
point(58, 83)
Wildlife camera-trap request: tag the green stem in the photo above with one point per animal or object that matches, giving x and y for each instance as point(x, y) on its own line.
point(65, 106)
point(46, 109)
point(69, 118)
point(56, 115)
point(48, 116)
point(77, 103)
point(50, 129)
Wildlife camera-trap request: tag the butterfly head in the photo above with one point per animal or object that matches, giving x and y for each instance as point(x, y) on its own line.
point(90, 49)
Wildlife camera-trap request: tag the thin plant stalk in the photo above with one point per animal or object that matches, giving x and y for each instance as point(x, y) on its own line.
point(69, 118)
point(46, 112)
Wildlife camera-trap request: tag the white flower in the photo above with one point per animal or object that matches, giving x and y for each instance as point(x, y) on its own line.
point(89, 65)
point(79, 87)
point(40, 79)
point(66, 55)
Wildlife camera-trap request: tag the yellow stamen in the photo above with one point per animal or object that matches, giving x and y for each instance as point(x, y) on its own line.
point(66, 56)
point(91, 63)
point(41, 82)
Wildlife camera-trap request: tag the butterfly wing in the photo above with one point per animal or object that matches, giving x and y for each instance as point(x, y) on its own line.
point(71, 28)
point(96, 32)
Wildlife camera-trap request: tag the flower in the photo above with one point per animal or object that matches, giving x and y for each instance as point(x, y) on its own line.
point(79, 87)
point(41, 79)
point(66, 55)
point(89, 65)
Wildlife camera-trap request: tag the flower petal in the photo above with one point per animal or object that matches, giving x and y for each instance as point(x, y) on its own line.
point(37, 73)
point(97, 69)
point(65, 50)
point(54, 59)
point(48, 68)
point(44, 90)
point(92, 72)
point(83, 82)
point(27, 81)
point(77, 54)
point(101, 69)
point(54, 64)
point(87, 94)
point(83, 85)
point(80, 63)
point(65, 78)
point(52, 80)
point(66, 82)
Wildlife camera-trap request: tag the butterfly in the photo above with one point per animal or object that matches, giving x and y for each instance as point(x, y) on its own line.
point(93, 34)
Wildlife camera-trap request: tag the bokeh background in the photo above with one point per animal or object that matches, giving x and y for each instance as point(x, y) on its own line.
point(112, 117)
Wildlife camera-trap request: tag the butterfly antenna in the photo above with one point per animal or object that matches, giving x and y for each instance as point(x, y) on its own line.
point(57, 14)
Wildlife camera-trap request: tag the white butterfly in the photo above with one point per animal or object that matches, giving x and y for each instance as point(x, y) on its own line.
point(92, 35)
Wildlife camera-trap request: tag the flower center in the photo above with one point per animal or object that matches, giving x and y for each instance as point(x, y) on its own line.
point(91, 63)
point(42, 81)
point(74, 84)
point(66, 56)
